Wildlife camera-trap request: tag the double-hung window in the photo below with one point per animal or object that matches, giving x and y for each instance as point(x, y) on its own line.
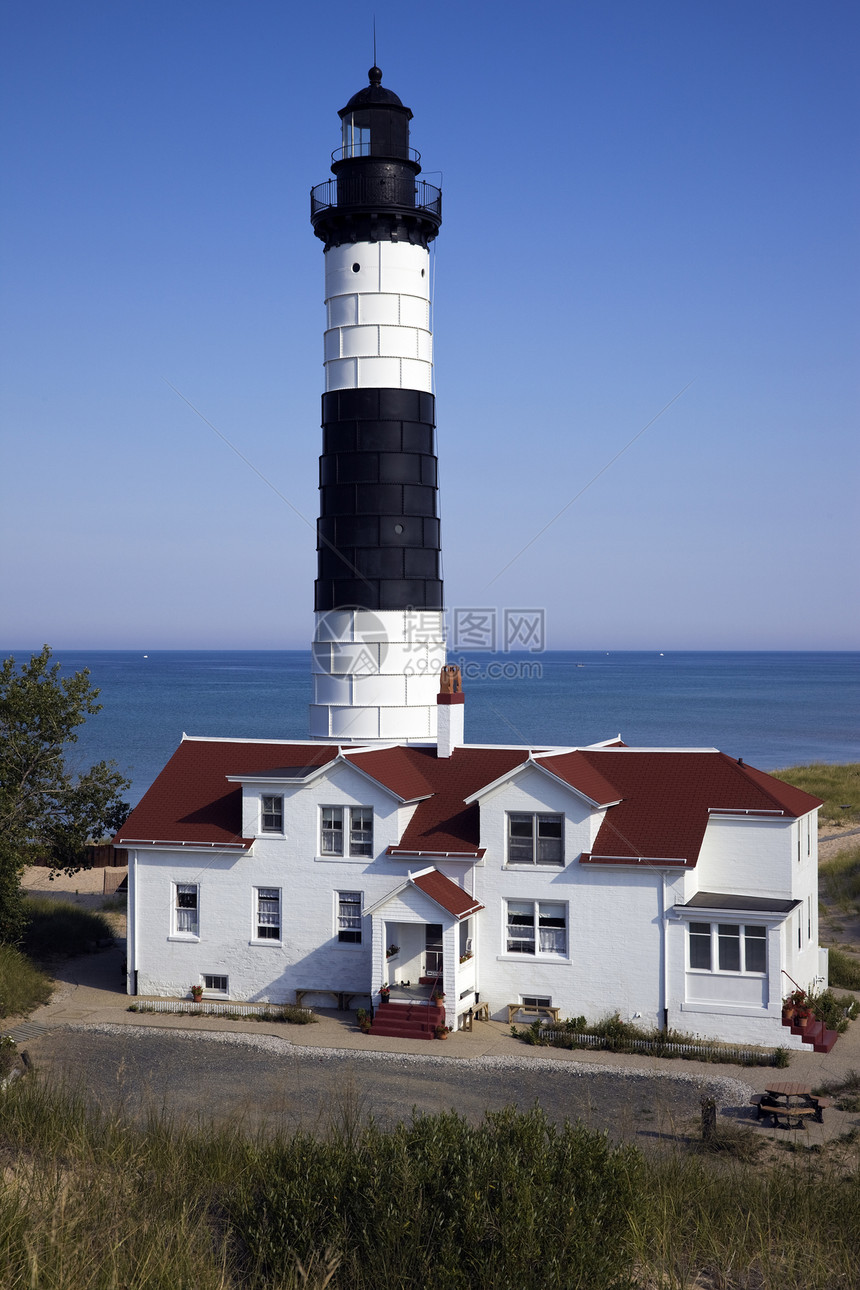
point(537, 927)
point(346, 831)
point(535, 839)
point(186, 920)
point(728, 947)
point(349, 917)
point(268, 923)
point(271, 814)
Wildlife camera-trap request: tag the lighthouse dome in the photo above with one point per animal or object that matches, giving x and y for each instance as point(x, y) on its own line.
point(374, 95)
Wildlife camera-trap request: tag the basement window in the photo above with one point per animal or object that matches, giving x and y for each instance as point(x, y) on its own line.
point(215, 984)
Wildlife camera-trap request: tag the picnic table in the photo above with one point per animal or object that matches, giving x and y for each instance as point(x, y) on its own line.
point(790, 1105)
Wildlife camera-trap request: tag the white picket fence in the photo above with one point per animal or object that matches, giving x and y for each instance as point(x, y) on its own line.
point(211, 1009)
point(740, 1056)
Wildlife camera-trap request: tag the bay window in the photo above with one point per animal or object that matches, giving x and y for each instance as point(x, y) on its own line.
point(728, 947)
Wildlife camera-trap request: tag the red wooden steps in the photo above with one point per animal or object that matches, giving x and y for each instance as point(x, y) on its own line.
point(814, 1033)
point(407, 1020)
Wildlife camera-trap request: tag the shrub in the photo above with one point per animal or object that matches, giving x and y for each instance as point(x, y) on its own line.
point(834, 1010)
point(58, 927)
point(22, 986)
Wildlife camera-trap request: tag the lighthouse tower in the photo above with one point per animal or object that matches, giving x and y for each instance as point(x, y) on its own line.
point(379, 639)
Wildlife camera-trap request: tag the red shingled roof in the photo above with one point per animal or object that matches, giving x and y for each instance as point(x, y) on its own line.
point(191, 800)
point(446, 893)
point(444, 822)
point(663, 798)
point(668, 797)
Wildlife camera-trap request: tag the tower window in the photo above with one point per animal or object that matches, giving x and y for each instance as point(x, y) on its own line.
point(356, 268)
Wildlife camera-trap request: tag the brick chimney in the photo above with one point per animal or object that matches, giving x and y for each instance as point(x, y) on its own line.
point(451, 711)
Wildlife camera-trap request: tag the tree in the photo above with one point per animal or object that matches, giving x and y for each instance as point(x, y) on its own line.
point(45, 807)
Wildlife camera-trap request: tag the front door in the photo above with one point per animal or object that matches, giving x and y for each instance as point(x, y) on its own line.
point(433, 949)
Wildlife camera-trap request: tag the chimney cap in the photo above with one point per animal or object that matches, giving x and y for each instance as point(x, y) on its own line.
point(450, 680)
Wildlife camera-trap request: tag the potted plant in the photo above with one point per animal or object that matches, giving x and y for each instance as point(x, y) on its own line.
point(196, 993)
point(439, 997)
point(441, 1032)
point(385, 992)
point(391, 951)
point(364, 1022)
point(464, 958)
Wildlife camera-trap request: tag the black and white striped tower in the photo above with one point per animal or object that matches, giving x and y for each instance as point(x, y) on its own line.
point(379, 639)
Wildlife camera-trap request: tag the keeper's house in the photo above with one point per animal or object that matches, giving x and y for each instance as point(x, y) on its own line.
point(674, 886)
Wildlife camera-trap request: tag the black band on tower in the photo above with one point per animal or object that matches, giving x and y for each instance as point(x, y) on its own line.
point(378, 532)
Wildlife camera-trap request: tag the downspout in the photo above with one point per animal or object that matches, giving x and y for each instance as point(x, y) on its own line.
point(131, 928)
point(664, 958)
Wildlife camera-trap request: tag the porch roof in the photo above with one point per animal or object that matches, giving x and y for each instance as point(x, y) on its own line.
point(743, 904)
point(441, 890)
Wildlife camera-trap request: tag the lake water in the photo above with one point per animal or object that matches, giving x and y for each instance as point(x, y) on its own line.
point(772, 709)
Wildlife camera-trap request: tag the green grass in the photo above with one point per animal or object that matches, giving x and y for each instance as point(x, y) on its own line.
point(93, 1202)
point(843, 969)
point(839, 879)
point(58, 927)
point(838, 786)
point(22, 986)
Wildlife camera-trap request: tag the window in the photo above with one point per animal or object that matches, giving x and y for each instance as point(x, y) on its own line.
point(358, 821)
point(537, 927)
point(349, 917)
point(187, 922)
point(272, 814)
point(732, 946)
point(268, 926)
point(535, 1001)
point(535, 839)
point(356, 138)
point(216, 983)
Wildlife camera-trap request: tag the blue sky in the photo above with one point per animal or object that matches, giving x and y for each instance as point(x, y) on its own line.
point(636, 196)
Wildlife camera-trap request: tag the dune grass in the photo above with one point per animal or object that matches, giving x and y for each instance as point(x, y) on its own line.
point(93, 1201)
point(59, 927)
point(838, 786)
point(839, 879)
point(843, 969)
point(22, 986)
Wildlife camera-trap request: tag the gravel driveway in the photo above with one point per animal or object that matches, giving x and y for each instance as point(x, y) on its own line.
point(267, 1082)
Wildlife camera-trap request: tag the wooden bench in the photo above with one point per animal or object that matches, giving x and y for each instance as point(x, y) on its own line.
point(482, 1012)
point(514, 1008)
point(344, 997)
point(782, 1114)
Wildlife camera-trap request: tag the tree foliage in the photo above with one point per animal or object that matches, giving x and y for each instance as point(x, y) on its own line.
point(44, 806)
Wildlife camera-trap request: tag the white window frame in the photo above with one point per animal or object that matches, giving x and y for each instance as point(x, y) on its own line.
point(718, 940)
point(536, 818)
point(277, 812)
point(354, 825)
point(260, 915)
point(351, 936)
point(550, 932)
point(181, 912)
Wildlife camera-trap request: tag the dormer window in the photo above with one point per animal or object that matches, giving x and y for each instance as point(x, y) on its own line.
point(346, 831)
point(271, 814)
point(535, 839)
